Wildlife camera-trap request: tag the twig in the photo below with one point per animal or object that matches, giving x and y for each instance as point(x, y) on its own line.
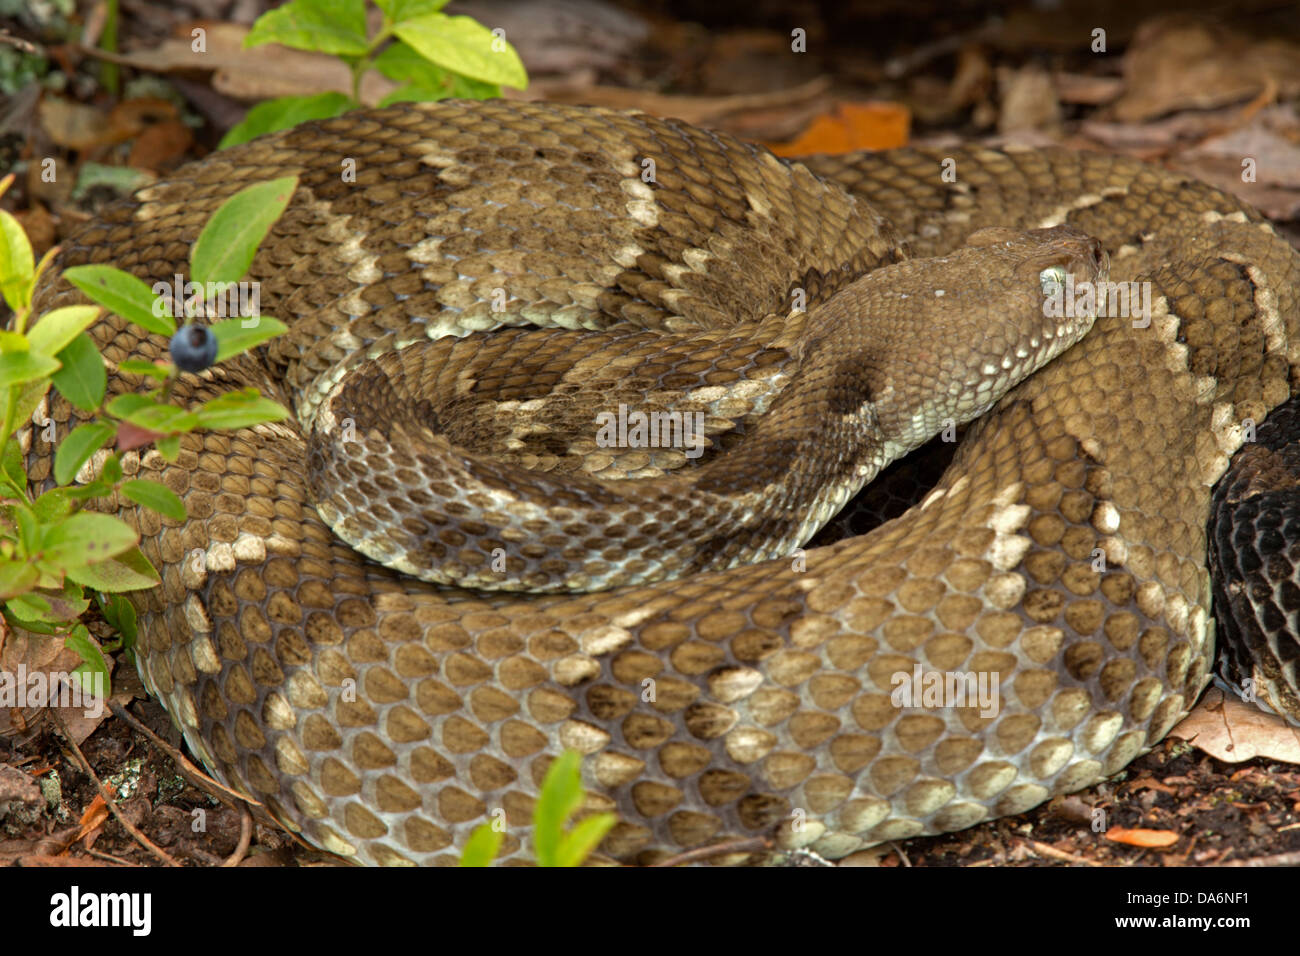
point(231, 798)
point(1052, 853)
point(899, 66)
point(1279, 859)
point(245, 837)
point(112, 859)
point(25, 45)
point(901, 855)
point(718, 849)
point(109, 800)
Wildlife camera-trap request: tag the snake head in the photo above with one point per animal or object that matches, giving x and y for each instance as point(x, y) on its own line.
point(945, 338)
point(1053, 254)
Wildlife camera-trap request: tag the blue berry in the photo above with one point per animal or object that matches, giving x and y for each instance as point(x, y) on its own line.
point(193, 348)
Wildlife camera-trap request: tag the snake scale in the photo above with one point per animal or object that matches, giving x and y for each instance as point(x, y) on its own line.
point(1062, 555)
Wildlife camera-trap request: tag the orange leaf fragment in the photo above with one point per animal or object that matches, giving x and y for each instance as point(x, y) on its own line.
point(851, 126)
point(1140, 837)
point(92, 821)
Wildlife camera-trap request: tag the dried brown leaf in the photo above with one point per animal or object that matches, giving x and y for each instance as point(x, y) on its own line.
point(1234, 731)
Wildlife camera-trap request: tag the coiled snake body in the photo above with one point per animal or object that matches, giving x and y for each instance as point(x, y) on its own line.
point(1062, 556)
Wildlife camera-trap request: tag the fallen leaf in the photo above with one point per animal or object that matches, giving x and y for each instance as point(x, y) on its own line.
point(747, 61)
point(851, 126)
point(1159, 136)
point(75, 125)
point(15, 785)
point(37, 667)
point(132, 117)
point(160, 145)
point(1177, 63)
point(258, 73)
point(1028, 100)
point(972, 81)
point(1234, 731)
point(1073, 808)
point(1086, 89)
point(155, 125)
point(93, 820)
point(568, 36)
point(1140, 837)
point(1266, 149)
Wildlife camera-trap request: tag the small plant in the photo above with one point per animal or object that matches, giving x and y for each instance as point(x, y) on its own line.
point(560, 798)
point(433, 56)
point(51, 549)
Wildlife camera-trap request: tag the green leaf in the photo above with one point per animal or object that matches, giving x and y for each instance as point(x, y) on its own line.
point(127, 404)
point(583, 838)
point(19, 367)
point(15, 471)
point(85, 538)
point(82, 380)
point(233, 338)
point(48, 608)
point(29, 529)
point(228, 242)
point(463, 45)
point(96, 489)
point(129, 571)
point(16, 577)
point(143, 367)
point(326, 26)
point(122, 180)
point(75, 450)
point(120, 615)
point(459, 87)
point(164, 419)
point(28, 398)
point(411, 93)
point(239, 410)
point(283, 113)
point(52, 506)
point(16, 263)
point(482, 846)
point(399, 10)
point(400, 62)
point(124, 294)
point(67, 605)
point(92, 672)
point(560, 797)
point(30, 607)
point(169, 447)
point(34, 624)
point(56, 329)
point(157, 496)
point(425, 82)
point(112, 470)
point(13, 342)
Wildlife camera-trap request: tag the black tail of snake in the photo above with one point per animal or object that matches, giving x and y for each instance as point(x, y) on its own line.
point(522, 254)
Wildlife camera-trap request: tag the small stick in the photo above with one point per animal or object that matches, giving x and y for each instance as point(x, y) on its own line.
point(718, 849)
point(109, 800)
point(245, 837)
point(1279, 859)
point(231, 798)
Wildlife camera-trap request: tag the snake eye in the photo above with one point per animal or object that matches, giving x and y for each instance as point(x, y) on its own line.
point(1052, 279)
